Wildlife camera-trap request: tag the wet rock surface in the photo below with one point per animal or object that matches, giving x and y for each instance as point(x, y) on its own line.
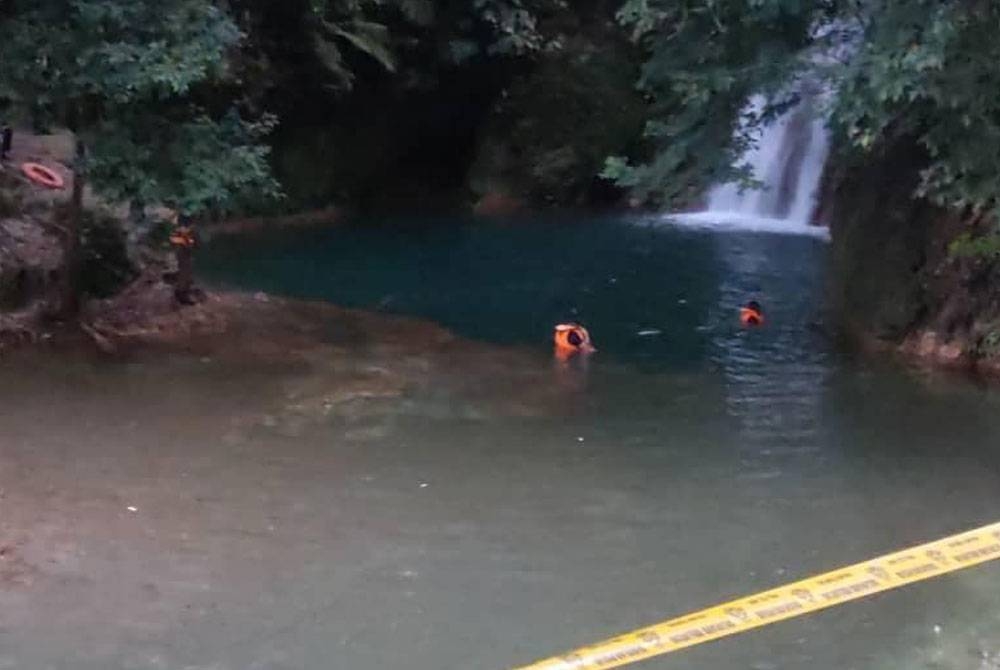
point(896, 283)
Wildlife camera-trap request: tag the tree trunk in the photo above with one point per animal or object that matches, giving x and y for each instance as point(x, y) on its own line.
point(184, 240)
point(184, 285)
point(69, 298)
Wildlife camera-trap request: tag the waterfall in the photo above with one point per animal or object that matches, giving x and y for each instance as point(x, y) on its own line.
point(789, 153)
point(788, 159)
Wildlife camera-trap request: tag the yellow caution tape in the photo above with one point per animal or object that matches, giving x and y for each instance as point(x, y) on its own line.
point(785, 602)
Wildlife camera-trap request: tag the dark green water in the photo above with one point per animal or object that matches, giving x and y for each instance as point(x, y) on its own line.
point(658, 298)
point(717, 460)
point(179, 512)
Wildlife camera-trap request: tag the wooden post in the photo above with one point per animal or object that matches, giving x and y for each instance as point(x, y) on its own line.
point(69, 294)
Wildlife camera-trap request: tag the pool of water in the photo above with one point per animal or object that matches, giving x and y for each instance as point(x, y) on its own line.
point(688, 462)
point(654, 296)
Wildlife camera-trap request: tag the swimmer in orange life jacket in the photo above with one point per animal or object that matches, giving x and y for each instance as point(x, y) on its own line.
point(752, 314)
point(571, 339)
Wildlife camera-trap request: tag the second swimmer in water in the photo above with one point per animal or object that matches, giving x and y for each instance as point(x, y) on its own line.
point(752, 314)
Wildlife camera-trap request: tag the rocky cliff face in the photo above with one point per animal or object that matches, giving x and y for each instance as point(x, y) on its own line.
point(896, 281)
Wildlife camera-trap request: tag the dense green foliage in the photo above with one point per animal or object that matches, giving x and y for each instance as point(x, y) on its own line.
point(195, 163)
point(333, 38)
point(923, 70)
point(143, 84)
point(172, 99)
point(133, 79)
point(363, 131)
point(929, 69)
point(705, 59)
point(548, 135)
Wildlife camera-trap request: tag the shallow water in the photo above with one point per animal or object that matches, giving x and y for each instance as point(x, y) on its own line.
point(506, 507)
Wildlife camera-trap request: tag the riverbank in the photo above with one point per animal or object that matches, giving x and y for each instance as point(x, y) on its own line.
point(346, 362)
point(901, 283)
point(912, 299)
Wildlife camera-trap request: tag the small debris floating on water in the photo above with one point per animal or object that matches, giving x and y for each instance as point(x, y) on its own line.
point(424, 485)
point(579, 439)
point(937, 629)
point(130, 508)
point(649, 332)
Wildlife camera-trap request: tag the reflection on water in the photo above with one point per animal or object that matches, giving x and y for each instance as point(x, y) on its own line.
point(775, 377)
point(499, 506)
point(507, 284)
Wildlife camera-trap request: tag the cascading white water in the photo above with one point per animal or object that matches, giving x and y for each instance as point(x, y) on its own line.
point(789, 153)
point(788, 159)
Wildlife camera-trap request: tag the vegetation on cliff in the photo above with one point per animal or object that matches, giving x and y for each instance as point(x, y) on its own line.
point(137, 82)
point(920, 69)
point(205, 107)
point(452, 103)
point(171, 104)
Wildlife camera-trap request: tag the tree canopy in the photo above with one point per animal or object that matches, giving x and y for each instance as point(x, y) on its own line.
point(924, 70)
point(138, 81)
point(143, 84)
point(333, 37)
point(166, 93)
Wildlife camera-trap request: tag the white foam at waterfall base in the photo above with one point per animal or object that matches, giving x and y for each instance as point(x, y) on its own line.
point(736, 221)
point(788, 159)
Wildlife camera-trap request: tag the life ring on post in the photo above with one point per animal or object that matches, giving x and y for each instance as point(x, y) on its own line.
point(42, 175)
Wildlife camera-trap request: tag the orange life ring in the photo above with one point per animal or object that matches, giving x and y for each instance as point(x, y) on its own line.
point(571, 338)
point(751, 317)
point(42, 175)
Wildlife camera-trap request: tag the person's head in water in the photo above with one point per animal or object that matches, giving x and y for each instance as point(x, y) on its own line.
point(755, 306)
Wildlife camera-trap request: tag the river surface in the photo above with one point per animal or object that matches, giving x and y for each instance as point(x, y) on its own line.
point(687, 462)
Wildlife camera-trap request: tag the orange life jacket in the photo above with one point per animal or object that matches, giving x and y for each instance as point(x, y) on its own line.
point(751, 317)
point(571, 338)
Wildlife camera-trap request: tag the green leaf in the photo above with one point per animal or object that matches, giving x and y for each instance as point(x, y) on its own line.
point(369, 38)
